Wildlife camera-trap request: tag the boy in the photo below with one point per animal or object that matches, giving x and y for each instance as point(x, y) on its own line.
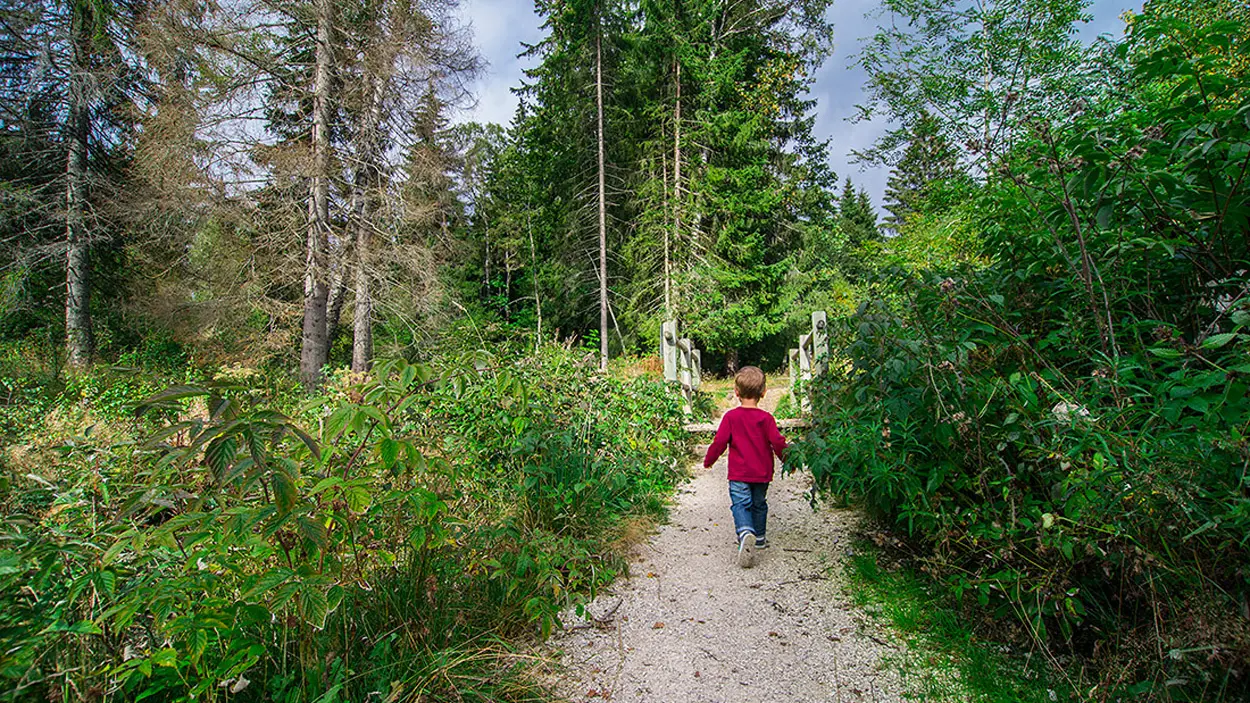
point(752, 437)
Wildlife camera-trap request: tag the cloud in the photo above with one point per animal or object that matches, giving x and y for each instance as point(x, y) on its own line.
point(500, 28)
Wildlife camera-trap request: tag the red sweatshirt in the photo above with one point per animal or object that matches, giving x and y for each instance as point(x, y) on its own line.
point(752, 437)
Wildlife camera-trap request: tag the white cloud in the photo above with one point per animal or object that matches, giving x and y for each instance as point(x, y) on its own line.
point(500, 27)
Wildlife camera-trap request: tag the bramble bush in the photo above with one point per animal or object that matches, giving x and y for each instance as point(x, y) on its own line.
point(383, 540)
point(1062, 423)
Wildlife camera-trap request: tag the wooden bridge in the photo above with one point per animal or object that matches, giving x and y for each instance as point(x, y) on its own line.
point(683, 366)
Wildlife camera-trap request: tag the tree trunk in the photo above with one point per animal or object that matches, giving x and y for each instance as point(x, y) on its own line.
point(603, 225)
point(337, 292)
point(79, 344)
point(731, 361)
point(368, 182)
point(676, 193)
point(486, 262)
point(538, 301)
point(314, 349)
point(668, 302)
point(362, 316)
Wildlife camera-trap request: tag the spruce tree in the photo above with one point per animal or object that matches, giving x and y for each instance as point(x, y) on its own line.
point(71, 84)
point(928, 159)
point(857, 221)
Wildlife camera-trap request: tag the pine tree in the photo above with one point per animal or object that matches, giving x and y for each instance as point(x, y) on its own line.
point(857, 221)
point(749, 72)
point(928, 159)
point(72, 69)
point(711, 175)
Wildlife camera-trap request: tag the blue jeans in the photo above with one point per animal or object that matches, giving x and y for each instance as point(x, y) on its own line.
point(749, 504)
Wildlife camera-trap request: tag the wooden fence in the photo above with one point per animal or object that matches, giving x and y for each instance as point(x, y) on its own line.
point(683, 364)
point(809, 360)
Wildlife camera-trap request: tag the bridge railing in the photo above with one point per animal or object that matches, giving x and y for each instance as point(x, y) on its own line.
point(809, 360)
point(683, 363)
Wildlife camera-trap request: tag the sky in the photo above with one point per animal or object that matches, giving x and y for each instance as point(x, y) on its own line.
point(501, 27)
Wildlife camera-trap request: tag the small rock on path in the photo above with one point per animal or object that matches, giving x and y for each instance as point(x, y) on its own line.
point(688, 625)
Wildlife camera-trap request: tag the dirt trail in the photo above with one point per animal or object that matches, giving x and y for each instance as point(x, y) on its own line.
point(688, 625)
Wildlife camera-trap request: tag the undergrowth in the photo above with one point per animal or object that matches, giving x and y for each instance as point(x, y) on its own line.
point(1060, 425)
point(389, 539)
point(945, 657)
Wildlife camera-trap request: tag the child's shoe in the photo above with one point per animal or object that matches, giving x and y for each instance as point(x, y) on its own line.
point(746, 550)
point(761, 543)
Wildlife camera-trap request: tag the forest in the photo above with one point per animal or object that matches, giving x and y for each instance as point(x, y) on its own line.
point(312, 392)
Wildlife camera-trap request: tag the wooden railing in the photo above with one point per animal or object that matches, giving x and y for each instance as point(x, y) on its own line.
point(683, 364)
point(809, 360)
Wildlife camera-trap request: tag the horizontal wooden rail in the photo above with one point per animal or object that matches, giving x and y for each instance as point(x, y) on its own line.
point(786, 424)
point(683, 345)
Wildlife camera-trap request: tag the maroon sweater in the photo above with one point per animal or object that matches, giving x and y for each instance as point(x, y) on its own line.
point(752, 437)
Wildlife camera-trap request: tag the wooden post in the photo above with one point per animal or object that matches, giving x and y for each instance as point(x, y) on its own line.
point(805, 371)
point(793, 355)
point(668, 350)
point(820, 343)
point(696, 374)
point(687, 380)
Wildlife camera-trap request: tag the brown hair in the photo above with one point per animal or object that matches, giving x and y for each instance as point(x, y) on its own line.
point(750, 382)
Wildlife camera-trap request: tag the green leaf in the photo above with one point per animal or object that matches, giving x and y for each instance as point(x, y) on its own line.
point(331, 695)
point(284, 493)
point(220, 453)
point(1216, 341)
point(1104, 216)
point(323, 484)
point(308, 441)
point(199, 643)
point(373, 414)
point(313, 606)
point(1164, 352)
point(170, 395)
point(166, 656)
point(1205, 526)
point(389, 450)
point(334, 597)
point(358, 498)
point(107, 581)
point(10, 563)
point(82, 627)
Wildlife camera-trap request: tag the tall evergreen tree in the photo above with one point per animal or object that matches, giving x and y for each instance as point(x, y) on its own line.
point(708, 163)
point(857, 220)
point(928, 159)
point(567, 105)
point(72, 76)
point(749, 70)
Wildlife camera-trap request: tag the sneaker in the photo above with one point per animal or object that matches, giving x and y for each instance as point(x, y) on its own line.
point(746, 550)
point(761, 543)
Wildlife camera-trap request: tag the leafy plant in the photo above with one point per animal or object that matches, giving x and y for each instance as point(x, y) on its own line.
point(1060, 420)
point(386, 536)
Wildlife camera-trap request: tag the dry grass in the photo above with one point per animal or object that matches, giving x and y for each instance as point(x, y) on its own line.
point(650, 366)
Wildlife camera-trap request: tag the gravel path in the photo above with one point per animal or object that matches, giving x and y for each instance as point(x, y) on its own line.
point(688, 625)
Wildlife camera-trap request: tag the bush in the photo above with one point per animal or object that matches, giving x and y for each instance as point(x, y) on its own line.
point(1062, 424)
point(422, 519)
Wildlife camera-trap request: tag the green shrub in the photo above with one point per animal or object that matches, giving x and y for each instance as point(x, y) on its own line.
point(420, 520)
point(1063, 423)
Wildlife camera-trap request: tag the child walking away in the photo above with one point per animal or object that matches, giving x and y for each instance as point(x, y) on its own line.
point(751, 435)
